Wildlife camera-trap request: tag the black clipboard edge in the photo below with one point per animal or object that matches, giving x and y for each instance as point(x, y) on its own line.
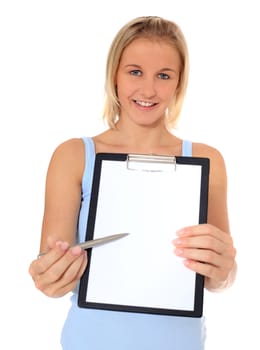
point(199, 283)
point(147, 310)
point(203, 216)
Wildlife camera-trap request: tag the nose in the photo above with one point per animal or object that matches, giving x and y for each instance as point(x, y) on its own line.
point(148, 88)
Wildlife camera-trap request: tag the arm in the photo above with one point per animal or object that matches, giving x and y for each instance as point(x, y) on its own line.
point(208, 248)
point(57, 272)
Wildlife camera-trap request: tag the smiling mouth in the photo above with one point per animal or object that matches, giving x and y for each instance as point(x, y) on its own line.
point(145, 104)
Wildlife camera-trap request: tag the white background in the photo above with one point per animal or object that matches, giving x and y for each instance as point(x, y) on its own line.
point(52, 62)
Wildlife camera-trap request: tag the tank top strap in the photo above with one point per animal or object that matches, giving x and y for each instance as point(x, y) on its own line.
point(186, 148)
point(89, 163)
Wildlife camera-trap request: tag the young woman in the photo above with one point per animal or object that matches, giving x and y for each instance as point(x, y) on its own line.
point(146, 80)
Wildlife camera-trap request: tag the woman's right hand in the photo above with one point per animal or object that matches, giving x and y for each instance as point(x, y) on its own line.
point(57, 272)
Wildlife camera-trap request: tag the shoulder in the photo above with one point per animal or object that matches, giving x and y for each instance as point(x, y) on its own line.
point(69, 157)
point(217, 162)
point(71, 149)
point(204, 150)
point(73, 145)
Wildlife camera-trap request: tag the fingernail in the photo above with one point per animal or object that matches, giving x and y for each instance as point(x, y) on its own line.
point(64, 246)
point(58, 243)
point(187, 263)
point(177, 241)
point(178, 251)
point(180, 232)
point(76, 251)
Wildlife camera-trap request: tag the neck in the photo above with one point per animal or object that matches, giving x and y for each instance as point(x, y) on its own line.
point(147, 136)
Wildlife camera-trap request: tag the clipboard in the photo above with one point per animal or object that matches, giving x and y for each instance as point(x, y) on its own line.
point(149, 196)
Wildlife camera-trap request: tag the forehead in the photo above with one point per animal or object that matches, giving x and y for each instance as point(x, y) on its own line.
point(145, 50)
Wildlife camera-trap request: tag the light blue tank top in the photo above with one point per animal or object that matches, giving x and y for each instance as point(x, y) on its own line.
point(90, 329)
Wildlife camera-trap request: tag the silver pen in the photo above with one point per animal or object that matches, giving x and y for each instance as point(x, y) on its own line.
point(94, 242)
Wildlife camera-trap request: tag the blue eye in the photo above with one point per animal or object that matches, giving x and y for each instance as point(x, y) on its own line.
point(163, 76)
point(135, 72)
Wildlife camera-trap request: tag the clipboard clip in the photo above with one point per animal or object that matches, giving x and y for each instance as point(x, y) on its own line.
point(151, 162)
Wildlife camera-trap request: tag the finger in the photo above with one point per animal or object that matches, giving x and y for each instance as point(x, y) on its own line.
point(204, 230)
point(202, 242)
point(57, 269)
point(44, 262)
point(207, 270)
point(69, 279)
point(200, 255)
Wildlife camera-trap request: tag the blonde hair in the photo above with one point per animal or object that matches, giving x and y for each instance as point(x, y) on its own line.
point(145, 27)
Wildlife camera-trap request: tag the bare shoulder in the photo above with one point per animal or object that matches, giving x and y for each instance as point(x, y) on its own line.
point(69, 157)
point(69, 146)
point(204, 150)
point(217, 162)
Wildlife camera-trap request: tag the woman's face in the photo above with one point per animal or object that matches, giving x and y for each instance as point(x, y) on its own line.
point(147, 79)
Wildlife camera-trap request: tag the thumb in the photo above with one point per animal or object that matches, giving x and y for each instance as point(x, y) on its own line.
point(53, 241)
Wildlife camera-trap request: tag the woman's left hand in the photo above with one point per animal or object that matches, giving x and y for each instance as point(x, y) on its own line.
point(208, 251)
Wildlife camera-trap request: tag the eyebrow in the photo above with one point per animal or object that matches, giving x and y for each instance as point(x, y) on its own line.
point(160, 70)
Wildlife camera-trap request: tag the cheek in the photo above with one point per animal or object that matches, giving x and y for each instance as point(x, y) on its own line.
point(171, 92)
point(124, 89)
